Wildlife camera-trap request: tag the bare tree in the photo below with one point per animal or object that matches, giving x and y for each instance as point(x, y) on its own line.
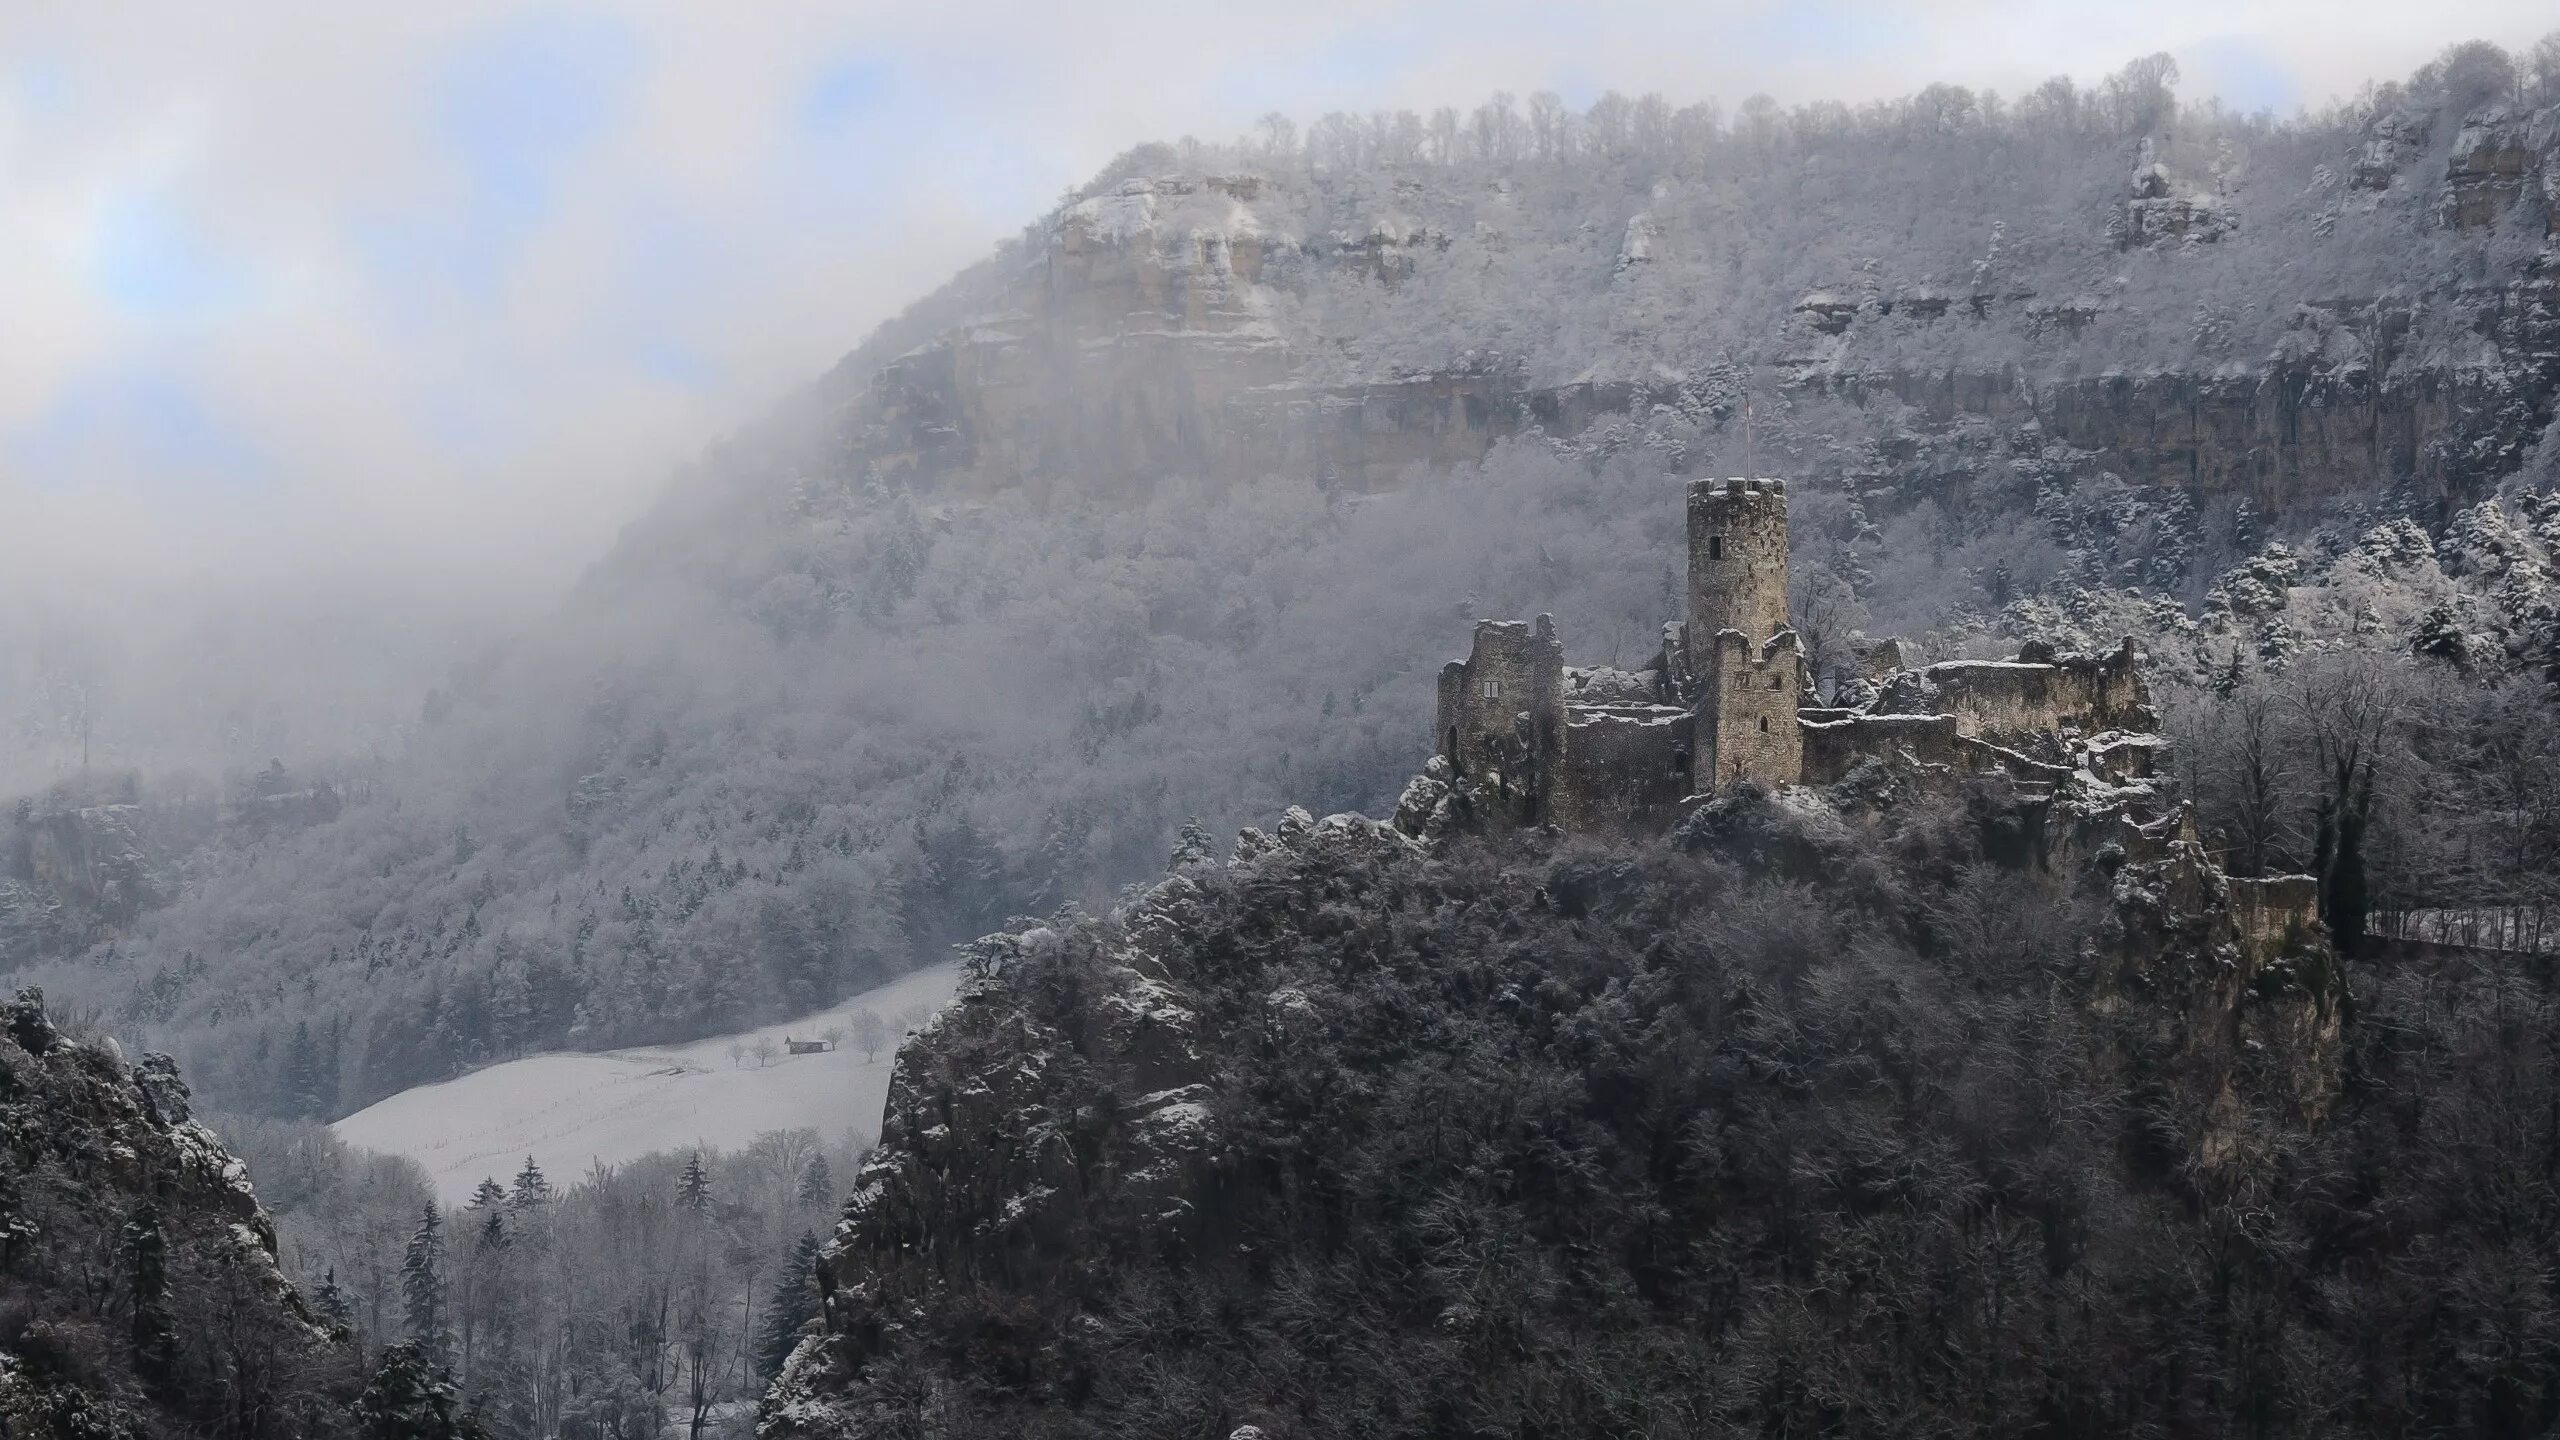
point(2349, 707)
point(1826, 613)
point(869, 1032)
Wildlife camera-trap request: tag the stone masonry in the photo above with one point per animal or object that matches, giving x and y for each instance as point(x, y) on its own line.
point(1726, 701)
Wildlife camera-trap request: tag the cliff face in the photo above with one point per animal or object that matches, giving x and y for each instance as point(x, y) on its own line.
point(2343, 410)
point(139, 1291)
point(70, 876)
point(82, 864)
point(2341, 316)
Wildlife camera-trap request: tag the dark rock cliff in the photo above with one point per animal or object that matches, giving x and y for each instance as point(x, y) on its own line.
point(139, 1290)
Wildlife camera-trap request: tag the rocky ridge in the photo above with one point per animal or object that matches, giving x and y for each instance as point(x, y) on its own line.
point(1100, 1099)
point(1326, 321)
point(139, 1289)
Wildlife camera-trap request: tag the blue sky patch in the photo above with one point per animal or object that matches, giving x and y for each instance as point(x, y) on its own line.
point(149, 260)
point(144, 423)
point(846, 91)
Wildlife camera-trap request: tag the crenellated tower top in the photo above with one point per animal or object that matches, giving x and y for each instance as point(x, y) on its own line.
point(1737, 559)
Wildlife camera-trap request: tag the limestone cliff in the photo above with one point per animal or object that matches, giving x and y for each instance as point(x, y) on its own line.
point(2386, 317)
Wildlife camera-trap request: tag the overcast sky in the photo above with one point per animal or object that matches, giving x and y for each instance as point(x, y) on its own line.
point(452, 286)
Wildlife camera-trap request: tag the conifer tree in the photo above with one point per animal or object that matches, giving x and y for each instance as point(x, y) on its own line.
point(1195, 847)
point(332, 1302)
point(422, 1280)
point(533, 1188)
point(817, 1187)
point(489, 1196)
point(412, 1397)
point(795, 1302)
point(2228, 681)
point(302, 1073)
point(693, 1188)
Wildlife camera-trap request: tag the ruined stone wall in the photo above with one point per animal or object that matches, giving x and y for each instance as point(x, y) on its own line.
point(1835, 744)
point(1513, 670)
point(1738, 557)
point(1747, 727)
point(1623, 767)
point(2274, 911)
point(2037, 694)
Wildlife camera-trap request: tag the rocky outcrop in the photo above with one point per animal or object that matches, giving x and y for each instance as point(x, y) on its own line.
point(81, 863)
point(2497, 158)
point(139, 1274)
point(1057, 1117)
point(1350, 1125)
point(70, 876)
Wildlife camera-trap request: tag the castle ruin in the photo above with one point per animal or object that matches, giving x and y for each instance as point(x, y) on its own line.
point(1729, 699)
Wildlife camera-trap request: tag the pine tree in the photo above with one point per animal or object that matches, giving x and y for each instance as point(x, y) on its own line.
point(493, 1232)
point(422, 1280)
point(2227, 681)
point(490, 1196)
point(795, 1303)
point(2440, 637)
point(533, 1188)
point(331, 1301)
point(302, 1073)
point(693, 1188)
point(1195, 847)
point(817, 1187)
point(412, 1397)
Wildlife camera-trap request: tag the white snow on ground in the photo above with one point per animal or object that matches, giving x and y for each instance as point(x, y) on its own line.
point(572, 1111)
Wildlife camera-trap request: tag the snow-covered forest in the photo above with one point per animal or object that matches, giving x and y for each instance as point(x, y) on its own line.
point(1161, 520)
point(596, 1303)
point(812, 722)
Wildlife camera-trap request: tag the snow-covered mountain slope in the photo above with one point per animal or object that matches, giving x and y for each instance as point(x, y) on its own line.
point(571, 1111)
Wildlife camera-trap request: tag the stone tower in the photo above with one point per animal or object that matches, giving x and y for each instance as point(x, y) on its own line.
point(1737, 559)
point(1743, 654)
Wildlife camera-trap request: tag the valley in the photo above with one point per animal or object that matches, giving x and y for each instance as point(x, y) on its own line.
point(573, 1113)
point(1058, 881)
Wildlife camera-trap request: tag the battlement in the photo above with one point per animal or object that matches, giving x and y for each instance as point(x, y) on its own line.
point(1737, 557)
point(1737, 486)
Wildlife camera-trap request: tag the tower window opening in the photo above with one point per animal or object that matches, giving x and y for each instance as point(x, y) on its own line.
point(1773, 681)
point(1493, 689)
point(1715, 547)
point(1764, 724)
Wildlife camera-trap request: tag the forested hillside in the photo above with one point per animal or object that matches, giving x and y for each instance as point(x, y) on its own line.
point(1815, 1119)
point(1173, 506)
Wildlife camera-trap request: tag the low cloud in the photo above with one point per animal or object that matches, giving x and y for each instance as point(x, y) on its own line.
point(412, 307)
